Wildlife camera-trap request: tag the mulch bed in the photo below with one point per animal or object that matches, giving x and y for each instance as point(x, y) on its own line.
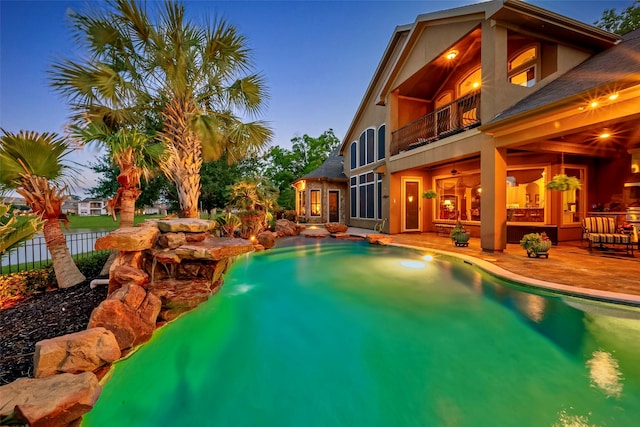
point(44, 315)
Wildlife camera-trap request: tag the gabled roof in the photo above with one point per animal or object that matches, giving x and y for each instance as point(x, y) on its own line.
point(331, 169)
point(521, 13)
point(615, 68)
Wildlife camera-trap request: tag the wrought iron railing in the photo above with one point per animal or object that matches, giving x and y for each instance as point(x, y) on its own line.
point(33, 254)
point(456, 117)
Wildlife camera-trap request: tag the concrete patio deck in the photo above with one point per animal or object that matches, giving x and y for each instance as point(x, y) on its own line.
point(570, 266)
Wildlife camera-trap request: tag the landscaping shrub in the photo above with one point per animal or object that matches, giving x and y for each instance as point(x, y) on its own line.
point(91, 265)
point(16, 286)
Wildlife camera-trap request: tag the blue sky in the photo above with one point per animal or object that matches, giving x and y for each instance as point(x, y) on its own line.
point(317, 56)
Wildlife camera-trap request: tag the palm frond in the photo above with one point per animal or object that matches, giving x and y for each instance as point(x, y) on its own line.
point(34, 154)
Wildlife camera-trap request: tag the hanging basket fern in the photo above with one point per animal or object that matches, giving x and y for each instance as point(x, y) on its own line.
point(562, 182)
point(429, 194)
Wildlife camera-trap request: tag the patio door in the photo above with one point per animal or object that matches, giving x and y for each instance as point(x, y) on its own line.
point(411, 204)
point(334, 206)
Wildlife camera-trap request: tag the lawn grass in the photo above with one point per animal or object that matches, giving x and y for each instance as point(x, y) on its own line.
point(101, 223)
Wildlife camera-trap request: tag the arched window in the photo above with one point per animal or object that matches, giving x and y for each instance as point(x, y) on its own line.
point(381, 142)
point(522, 67)
point(353, 154)
point(470, 82)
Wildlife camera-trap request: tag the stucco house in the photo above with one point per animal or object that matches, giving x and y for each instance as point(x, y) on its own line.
point(92, 207)
point(321, 194)
point(485, 104)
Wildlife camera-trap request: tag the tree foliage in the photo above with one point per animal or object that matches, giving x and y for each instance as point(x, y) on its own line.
point(621, 23)
point(197, 77)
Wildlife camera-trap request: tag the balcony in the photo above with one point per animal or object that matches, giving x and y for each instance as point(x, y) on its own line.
point(458, 116)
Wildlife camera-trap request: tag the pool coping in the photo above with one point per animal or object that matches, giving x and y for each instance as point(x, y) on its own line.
point(501, 273)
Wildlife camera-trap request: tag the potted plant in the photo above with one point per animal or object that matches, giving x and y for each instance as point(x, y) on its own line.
point(562, 182)
point(459, 235)
point(536, 244)
point(429, 194)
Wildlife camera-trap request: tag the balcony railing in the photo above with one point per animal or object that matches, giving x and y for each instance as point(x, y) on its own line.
point(456, 117)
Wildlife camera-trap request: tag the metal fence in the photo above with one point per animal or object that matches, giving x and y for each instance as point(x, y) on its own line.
point(33, 254)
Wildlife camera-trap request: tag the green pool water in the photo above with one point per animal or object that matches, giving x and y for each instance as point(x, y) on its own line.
point(350, 334)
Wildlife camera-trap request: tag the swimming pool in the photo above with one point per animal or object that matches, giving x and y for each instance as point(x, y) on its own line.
point(350, 334)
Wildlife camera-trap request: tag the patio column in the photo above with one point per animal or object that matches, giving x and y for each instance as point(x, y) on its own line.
point(493, 204)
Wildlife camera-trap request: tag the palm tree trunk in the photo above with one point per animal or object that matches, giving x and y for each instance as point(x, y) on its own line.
point(184, 158)
point(128, 199)
point(67, 273)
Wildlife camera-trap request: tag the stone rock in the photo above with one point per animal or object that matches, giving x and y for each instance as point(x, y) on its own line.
point(221, 267)
point(180, 296)
point(258, 247)
point(124, 275)
point(195, 237)
point(171, 240)
point(190, 269)
point(215, 248)
point(315, 232)
point(267, 239)
point(379, 239)
point(57, 400)
point(164, 256)
point(335, 227)
point(284, 228)
point(128, 239)
point(341, 235)
point(130, 313)
point(131, 259)
point(190, 225)
point(78, 352)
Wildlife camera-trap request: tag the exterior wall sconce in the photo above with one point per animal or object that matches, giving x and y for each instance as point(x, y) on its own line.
point(451, 54)
point(410, 198)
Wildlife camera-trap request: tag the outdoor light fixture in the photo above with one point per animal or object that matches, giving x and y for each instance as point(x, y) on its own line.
point(613, 96)
point(476, 85)
point(605, 134)
point(454, 171)
point(452, 54)
point(593, 104)
point(410, 198)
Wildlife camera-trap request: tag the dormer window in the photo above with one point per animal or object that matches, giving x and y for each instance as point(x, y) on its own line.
point(522, 67)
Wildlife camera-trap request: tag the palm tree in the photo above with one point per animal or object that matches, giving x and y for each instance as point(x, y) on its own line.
point(135, 156)
point(32, 164)
point(13, 231)
point(195, 79)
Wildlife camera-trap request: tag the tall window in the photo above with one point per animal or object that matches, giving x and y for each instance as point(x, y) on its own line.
point(301, 206)
point(470, 82)
point(379, 183)
point(362, 149)
point(573, 205)
point(354, 197)
point(366, 147)
point(522, 67)
point(363, 198)
point(316, 207)
point(354, 155)
point(381, 142)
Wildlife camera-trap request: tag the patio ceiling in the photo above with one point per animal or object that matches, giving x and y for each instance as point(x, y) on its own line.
point(425, 83)
point(622, 136)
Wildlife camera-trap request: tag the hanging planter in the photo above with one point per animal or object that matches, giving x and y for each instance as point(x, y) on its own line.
point(562, 182)
point(429, 194)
